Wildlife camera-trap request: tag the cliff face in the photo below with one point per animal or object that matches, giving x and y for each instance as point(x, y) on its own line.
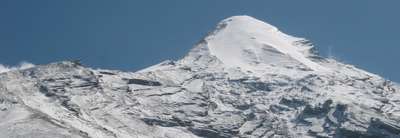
point(246, 79)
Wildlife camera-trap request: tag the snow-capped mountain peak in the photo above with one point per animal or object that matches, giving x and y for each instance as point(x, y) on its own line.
point(246, 79)
point(250, 44)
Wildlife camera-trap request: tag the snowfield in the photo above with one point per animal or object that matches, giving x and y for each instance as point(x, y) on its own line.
point(246, 79)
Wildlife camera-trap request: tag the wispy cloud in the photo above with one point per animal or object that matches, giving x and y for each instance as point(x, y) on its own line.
point(22, 65)
point(330, 52)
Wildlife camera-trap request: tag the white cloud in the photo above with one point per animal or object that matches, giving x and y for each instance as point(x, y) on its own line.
point(22, 65)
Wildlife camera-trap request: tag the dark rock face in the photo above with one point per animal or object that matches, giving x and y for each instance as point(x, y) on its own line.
point(383, 129)
point(143, 82)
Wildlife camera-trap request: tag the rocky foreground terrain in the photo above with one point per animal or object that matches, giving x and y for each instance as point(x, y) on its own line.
point(246, 79)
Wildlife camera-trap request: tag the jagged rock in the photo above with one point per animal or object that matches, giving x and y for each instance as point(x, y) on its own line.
point(143, 82)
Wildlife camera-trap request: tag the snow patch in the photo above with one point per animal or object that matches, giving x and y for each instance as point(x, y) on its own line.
point(22, 65)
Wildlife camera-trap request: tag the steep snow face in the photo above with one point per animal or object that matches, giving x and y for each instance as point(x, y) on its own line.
point(250, 44)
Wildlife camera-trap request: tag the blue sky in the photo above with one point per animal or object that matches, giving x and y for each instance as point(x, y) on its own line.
point(133, 34)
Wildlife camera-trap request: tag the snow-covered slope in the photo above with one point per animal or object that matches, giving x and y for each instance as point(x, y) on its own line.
point(245, 79)
point(250, 44)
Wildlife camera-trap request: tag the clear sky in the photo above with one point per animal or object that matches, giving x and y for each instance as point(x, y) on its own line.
point(133, 34)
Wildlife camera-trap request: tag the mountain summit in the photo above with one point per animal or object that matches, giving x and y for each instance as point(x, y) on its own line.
point(246, 79)
point(250, 44)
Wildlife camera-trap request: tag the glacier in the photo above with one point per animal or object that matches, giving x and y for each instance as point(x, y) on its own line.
point(245, 79)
